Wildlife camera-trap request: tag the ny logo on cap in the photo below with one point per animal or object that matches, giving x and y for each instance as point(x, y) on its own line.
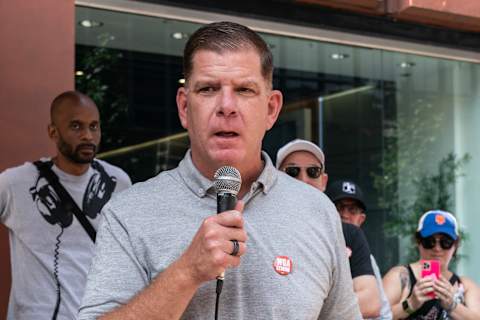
point(348, 187)
point(440, 219)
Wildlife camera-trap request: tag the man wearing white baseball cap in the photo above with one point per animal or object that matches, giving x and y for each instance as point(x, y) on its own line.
point(305, 161)
point(311, 158)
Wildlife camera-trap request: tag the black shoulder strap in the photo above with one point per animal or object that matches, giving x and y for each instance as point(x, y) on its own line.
point(413, 280)
point(98, 166)
point(68, 203)
point(454, 279)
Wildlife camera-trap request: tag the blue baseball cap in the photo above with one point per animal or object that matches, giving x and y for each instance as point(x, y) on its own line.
point(438, 221)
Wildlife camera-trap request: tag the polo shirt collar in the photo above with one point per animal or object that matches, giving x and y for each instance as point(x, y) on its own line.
point(269, 174)
point(193, 179)
point(201, 186)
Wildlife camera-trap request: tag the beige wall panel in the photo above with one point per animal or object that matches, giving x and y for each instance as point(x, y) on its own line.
point(469, 8)
point(372, 7)
point(456, 14)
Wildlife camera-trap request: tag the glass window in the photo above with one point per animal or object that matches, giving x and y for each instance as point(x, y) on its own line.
point(398, 124)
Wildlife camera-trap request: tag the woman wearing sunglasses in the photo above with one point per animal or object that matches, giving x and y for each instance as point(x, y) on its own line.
point(449, 297)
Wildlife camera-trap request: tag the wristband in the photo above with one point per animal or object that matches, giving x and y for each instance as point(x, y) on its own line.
point(406, 307)
point(452, 306)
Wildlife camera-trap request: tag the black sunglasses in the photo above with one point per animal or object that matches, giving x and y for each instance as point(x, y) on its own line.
point(313, 172)
point(430, 242)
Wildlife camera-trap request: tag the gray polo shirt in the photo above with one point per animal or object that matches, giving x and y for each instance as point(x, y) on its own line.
point(295, 266)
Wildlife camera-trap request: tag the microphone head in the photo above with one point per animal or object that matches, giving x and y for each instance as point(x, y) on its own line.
point(227, 180)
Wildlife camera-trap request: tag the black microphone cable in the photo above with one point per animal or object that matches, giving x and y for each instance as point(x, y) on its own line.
point(225, 201)
point(217, 300)
point(55, 275)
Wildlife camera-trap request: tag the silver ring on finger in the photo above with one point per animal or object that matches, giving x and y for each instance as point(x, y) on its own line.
point(236, 248)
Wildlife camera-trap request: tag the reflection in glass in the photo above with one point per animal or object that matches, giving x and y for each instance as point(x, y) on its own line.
point(384, 119)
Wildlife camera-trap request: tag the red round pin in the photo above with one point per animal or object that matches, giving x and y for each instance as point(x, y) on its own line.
point(283, 265)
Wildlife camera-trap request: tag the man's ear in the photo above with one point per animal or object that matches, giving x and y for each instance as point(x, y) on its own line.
point(361, 218)
point(182, 106)
point(275, 103)
point(324, 182)
point(52, 132)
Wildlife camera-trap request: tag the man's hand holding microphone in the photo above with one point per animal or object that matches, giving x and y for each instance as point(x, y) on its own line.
point(210, 252)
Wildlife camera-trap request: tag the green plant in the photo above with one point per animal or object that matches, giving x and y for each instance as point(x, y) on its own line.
point(431, 191)
point(100, 67)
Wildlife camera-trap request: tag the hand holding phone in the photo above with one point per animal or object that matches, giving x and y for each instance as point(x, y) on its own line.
point(430, 268)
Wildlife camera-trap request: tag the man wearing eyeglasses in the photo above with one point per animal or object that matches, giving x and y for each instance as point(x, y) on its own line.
point(348, 198)
point(305, 161)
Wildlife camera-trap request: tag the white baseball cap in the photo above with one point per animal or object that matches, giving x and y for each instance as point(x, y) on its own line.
point(299, 145)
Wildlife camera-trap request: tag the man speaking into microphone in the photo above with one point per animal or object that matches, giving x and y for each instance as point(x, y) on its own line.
point(161, 246)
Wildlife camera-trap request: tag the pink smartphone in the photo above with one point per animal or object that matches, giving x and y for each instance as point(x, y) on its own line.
point(430, 267)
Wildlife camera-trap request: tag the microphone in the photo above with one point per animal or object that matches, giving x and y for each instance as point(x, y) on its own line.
point(227, 182)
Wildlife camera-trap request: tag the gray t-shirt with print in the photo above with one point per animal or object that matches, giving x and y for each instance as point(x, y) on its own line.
point(295, 266)
point(50, 251)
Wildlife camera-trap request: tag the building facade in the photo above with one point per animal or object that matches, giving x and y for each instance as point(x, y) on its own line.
point(389, 89)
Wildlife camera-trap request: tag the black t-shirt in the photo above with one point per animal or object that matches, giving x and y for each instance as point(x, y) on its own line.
point(360, 263)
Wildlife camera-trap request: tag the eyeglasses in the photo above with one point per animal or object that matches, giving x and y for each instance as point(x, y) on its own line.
point(350, 208)
point(313, 172)
point(430, 242)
